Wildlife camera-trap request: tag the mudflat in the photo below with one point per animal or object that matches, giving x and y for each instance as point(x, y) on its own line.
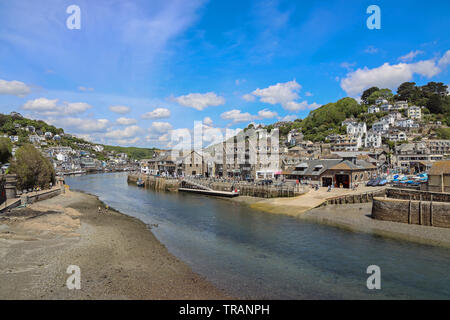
point(118, 256)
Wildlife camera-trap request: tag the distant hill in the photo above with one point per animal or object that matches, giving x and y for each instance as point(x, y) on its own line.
point(14, 124)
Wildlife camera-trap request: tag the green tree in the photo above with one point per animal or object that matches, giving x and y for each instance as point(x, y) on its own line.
point(434, 104)
point(32, 168)
point(366, 94)
point(5, 150)
point(407, 91)
point(382, 93)
point(432, 88)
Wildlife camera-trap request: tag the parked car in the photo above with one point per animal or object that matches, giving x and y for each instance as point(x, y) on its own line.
point(382, 182)
point(371, 183)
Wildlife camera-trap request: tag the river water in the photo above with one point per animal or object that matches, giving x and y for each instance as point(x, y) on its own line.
point(253, 254)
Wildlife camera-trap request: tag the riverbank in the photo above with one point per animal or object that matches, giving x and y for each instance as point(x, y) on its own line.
point(118, 256)
point(357, 217)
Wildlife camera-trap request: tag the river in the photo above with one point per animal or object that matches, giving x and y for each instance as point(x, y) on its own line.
point(253, 254)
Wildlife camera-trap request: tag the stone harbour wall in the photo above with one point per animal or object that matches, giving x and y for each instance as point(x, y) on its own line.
point(427, 213)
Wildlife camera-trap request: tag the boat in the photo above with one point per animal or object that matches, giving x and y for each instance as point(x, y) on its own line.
point(140, 183)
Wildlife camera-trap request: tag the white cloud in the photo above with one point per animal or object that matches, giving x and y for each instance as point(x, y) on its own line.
point(289, 118)
point(208, 121)
point(267, 114)
point(248, 97)
point(131, 141)
point(77, 125)
point(71, 108)
point(281, 93)
point(40, 104)
point(410, 56)
point(200, 101)
point(15, 88)
point(308, 94)
point(50, 108)
point(158, 113)
point(126, 133)
point(160, 127)
point(120, 109)
point(126, 121)
point(304, 105)
point(387, 76)
point(236, 116)
point(445, 60)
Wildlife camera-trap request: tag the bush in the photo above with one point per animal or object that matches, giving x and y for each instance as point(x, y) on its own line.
point(5, 150)
point(32, 168)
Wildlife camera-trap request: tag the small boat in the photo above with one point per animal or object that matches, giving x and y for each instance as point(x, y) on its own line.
point(140, 183)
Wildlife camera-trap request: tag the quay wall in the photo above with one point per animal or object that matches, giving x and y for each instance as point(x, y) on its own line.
point(427, 213)
point(155, 183)
point(408, 194)
point(172, 185)
point(355, 198)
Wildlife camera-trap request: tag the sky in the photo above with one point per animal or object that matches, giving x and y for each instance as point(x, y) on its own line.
point(141, 73)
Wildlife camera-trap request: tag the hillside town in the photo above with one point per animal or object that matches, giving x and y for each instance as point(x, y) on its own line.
point(394, 147)
point(76, 157)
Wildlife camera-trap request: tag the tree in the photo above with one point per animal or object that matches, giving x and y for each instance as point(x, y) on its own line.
point(32, 168)
point(366, 94)
point(432, 88)
point(380, 94)
point(5, 150)
point(407, 91)
point(434, 104)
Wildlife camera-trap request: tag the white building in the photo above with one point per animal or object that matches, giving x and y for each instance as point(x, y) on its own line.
point(386, 107)
point(62, 157)
point(356, 129)
point(14, 138)
point(389, 119)
point(406, 123)
point(397, 135)
point(373, 139)
point(400, 105)
point(373, 109)
point(414, 112)
point(381, 101)
point(380, 127)
point(98, 148)
point(34, 138)
point(48, 135)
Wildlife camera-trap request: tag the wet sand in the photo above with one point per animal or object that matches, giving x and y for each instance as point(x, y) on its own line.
point(357, 217)
point(118, 256)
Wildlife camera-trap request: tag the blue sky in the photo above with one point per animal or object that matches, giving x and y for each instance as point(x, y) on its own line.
point(138, 72)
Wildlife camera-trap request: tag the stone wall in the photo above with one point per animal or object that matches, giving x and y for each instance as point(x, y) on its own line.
point(427, 213)
point(155, 183)
point(408, 194)
point(31, 198)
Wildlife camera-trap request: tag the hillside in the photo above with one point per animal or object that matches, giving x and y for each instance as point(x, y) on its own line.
point(15, 124)
point(328, 118)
